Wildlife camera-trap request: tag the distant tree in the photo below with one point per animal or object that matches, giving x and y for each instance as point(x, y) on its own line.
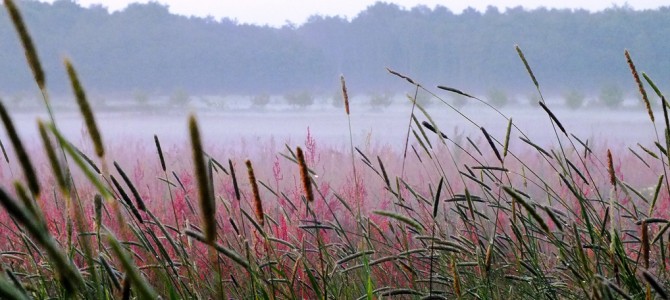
point(459, 101)
point(260, 100)
point(145, 46)
point(498, 98)
point(337, 99)
point(180, 97)
point(424, 99)
point(299, 99)
point(534, 99)
point(611, 96)
point(140, 97)
point(574, 99)
point(381, 100)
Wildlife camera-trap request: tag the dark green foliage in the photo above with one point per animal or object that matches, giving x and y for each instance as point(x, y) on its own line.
point(204, 55)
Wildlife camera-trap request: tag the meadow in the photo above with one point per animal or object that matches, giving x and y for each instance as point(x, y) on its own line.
point(446, 216)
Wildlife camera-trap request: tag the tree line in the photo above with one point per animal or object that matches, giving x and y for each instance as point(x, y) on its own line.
point(145, 47)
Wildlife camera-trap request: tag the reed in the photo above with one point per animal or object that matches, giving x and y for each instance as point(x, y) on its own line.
point(345, 94)
point(85, 109)
point(527, 66)
point(507, 136)
point(553, 117)
point(53, 157)
point(658, 287)
point(256, 197)
point(236, 188)
point(610, 169)
point(492, 144)
point(131, 186)
point(69, 276)
point(145, 290)
point(126, 199)
point(27, 42)
point(160, 153)
point(22, 155)
point(207, 202)
point(645, 246)
point(640, 86)
point(304, 175)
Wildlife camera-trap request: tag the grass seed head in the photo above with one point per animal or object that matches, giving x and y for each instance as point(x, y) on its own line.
point(207, 203)
point(85, 109)
point(640, 86)
point(53, 158)
point(232, 175)
point(345, 94)
point(258, 205)
point(610, 168)
point(525, 64)
point(645, 244)
point(160, 152)
point(27, 42)
point(24, 160)
point(304, 175)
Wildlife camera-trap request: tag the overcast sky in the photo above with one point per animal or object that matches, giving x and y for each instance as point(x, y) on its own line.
point(277, 12)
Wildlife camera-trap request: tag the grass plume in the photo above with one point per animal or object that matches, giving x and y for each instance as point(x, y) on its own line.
point(256, 197)
point(640, 86)
point(24, 159)
point(345, 94)
point(27, 42)
point(207, 202)
point(304, 175)
point(85, 109)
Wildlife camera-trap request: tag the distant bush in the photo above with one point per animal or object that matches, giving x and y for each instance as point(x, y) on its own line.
point(424, 99)
point(611, 96)
point(574, 99)
point(534, 99)
point(498, 98)
point(260, 101)
point(300, 99)
point(141, 97)
point(337, 99)
point(180, 97)
point(459, 101)
point(381, 100)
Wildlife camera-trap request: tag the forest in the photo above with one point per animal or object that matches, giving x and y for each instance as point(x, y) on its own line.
point(146, 48)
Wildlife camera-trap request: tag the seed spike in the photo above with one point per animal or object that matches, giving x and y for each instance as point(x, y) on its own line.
point(345, 94)
point(304, 175)
point(258, 205)
point(27, 42)
point(640, 86)
point(207, 203)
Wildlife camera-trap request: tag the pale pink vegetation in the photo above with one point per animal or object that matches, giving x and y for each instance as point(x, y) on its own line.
point(333, 168)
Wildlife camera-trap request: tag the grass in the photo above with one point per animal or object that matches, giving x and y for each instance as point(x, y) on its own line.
point(446, 218)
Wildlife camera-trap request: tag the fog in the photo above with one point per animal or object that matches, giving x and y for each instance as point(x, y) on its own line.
point(247, 128)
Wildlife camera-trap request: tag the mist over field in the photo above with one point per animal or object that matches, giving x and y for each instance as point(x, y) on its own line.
point(145, 60)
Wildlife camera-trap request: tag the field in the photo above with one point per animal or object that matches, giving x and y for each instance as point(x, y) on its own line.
point(498, 211)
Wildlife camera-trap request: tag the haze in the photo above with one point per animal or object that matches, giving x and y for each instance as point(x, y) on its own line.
point(145, 68)
point(279, 12)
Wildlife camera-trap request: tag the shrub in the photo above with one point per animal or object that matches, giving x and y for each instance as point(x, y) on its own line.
point(260, 101)
point(611, 96)
point(498, 98)
point(381, 100)
point(180, 97)
point(574, 99)
point(141, 97)
point(299, 99)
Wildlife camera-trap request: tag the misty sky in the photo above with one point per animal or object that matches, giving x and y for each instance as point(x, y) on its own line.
point(277, 12)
